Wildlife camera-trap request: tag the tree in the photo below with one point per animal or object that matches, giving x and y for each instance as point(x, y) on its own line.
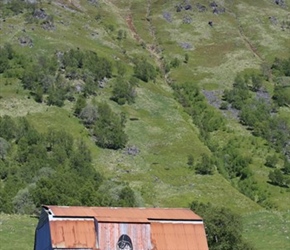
point(186, 58)
point(89, 115)
point(4, 146)
point(206, 166)
point(109, 128)
point(276, 178)
point(23, 203)
point(190, 160)
point(286, 166)
point(123, 91)
point(223, 227)
point(79, 105)
point(257, 82)
point(144, 70)
point(271, 161)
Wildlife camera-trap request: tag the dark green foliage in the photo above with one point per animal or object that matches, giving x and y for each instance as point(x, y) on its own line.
point(127, 197)
point(15, 7)
point(206, 166)
point(281, 67)
point(109, 128)
point(276, 177)
point(4, 146)
point(186, 58)
point(80, 65)
point(281, 95)
point(271, 161)
point(50, 168)
point(7, 128)
point(175, 63)
point(257, 82)
point(122, 34)
point(79, 105)
point(239, 94)
point(254, 113)
point(190, 160)
point(144, 70)
point(223, 227)
point(249, 187)
point(89, 115)
point(204, 116)
point(286, 166)
point(236, 165)
point(123, 91)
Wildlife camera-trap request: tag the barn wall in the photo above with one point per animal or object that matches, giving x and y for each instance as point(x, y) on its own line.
point(42, 233)
point(113, 234)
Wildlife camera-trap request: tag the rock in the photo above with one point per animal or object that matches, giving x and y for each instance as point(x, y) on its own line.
point(218, 10)
point(187, 20)
point(273, 20)
point(132, 150)
point(201, 8)
point(25, 41)
point(48, 25)
point(185, 45)
point(213, 5)
point(280, 3)
point(167, 16)
point(40, 14)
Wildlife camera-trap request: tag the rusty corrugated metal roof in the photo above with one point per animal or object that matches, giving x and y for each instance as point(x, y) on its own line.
point(124, 214)
point(178, 236)
point(73, 234)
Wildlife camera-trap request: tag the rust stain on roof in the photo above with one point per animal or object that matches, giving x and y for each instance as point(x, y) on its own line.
point(125, 214)
point(73, 234)
point(171, 236)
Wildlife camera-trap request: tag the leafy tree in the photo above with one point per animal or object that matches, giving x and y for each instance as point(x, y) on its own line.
point(239, 94)
point(286, 166)
point(144, 70)
point(276, 178)
point(123, 91)
point(4, 60)
point(281, 95)
point(127, 197)
point(190, 160)
point(175, 63)
point(206, 166)
point(186, 58)
point(89, 115)
point(4, 146)
point(109, 128)
point(7, 127)
point(223, 227)
point(257, 82)
point(271, 161)
point(23, 203)
point(79, 105)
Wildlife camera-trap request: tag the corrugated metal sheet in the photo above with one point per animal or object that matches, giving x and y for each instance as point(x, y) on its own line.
point(73, 234)
point(178, 236)
point(138, 215)
point(111, 233)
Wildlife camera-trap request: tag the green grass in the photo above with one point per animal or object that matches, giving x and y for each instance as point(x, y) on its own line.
point(267, 230)
point(17, 232)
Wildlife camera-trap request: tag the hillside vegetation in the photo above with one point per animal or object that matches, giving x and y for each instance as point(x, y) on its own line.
point(147, 103)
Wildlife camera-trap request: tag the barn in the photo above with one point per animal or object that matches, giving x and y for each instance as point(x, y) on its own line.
point(111, 228)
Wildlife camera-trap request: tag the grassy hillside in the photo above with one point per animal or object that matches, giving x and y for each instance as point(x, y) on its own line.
point(239, 36)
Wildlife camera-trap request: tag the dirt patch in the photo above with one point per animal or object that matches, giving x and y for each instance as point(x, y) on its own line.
point(130, 24)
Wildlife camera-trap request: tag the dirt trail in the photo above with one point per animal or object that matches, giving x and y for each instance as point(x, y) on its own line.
point(153, 48)
point(246, 41)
